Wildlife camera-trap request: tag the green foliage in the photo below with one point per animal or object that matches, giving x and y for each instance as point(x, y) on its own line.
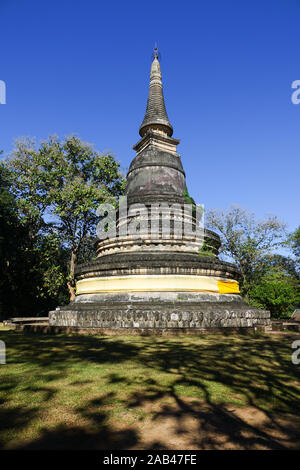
point(187, 197)
point(197, 211)
point(277, 293)
point(206, 253)
point(51, 266)
point(269, 281)
point(285, 264)
point(293, 242)
point(247, 241)
point(58, 187)
point(67, 180)
point(206, 250)
point(32, 270)
point(48, 201)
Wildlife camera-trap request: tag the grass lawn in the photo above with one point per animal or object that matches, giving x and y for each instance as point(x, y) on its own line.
point(133, 392)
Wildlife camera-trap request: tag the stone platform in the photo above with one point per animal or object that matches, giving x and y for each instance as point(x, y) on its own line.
point(66, 330)
point(162, 310)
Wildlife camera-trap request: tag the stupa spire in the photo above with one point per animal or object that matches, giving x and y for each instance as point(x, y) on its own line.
point(156, 117)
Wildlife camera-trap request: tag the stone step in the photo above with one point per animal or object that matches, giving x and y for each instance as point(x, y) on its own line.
point(26, 320)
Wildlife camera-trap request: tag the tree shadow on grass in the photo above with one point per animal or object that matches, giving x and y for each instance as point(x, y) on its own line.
point(218, 373)
point(54, 357)
point(257, 371)
point(14, 418)
point(98, 435)
point(58, 353)
point(78, 438)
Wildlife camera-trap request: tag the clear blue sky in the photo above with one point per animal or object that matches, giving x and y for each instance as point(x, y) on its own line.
point(83, 67)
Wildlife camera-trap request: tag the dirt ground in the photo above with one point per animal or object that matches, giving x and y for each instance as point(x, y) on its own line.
point(181, 424)
point(201, 426)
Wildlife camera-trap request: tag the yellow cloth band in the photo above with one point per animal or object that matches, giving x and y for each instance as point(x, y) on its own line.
point(228, 287)
point(151, 283)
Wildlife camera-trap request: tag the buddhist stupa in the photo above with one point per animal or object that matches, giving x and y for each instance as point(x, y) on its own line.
point(153, 280)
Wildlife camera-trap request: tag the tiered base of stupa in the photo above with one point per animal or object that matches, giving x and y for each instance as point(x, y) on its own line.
point(159, 293)
point(159, 311)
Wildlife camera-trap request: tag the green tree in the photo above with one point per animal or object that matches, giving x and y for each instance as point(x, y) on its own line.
point(58, 187)
point(276, 292)
point(293, 242)
point(8, 239)
point(32, 271)
point(246, 241)
point(286, 264)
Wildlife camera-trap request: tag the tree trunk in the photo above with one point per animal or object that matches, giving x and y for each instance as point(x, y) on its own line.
point(71, 276)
